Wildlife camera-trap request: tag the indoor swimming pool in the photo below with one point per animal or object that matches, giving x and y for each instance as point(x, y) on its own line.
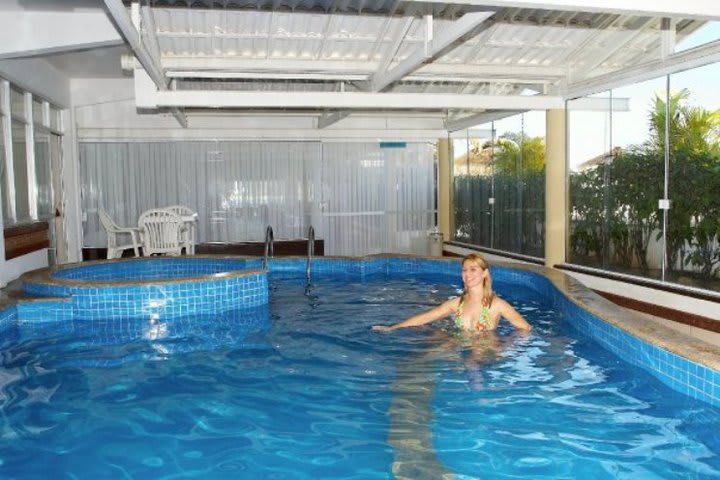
point(301, 388)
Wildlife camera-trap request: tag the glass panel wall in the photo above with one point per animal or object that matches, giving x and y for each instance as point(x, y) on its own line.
point(507, 162)
point(530, 178)
point(360, 198)
point(22, 202)
point(693, 224)
point(499, 185)
point(473, 168)
point(643, 190)
point(588, 152)
point(43, 174)
point(26, 177)
point(3, 199)
point(613, 216)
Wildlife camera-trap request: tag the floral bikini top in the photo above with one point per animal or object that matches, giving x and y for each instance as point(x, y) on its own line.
point(481, 324)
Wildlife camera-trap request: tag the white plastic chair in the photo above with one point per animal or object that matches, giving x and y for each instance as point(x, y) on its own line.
point(189, 216)
point(114, 249)
point(162, 232)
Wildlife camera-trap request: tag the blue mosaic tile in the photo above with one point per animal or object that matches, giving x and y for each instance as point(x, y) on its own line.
point(8, 317)
point(155, 269)
point(51, 310)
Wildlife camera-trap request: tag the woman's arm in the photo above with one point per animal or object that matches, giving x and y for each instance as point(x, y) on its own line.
point(436, 313)
point(512, 315)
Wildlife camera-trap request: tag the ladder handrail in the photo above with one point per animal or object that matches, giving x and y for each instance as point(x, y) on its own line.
point(310, 249)
point(269, 245)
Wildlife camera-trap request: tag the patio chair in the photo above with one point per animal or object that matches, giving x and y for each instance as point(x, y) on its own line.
point(162, 232)
point(112, 230)
point(189, 216)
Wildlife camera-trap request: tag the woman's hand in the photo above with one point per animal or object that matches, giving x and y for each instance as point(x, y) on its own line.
point(382, 328)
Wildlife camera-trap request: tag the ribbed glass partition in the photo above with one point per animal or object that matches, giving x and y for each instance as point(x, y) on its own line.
point(361, 198)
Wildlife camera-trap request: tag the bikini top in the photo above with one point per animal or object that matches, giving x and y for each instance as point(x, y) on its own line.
point(481, 324)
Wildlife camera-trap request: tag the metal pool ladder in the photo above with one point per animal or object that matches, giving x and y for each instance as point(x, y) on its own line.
point(310, 250)
point(269, 247)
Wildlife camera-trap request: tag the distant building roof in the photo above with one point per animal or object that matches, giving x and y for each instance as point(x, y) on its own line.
point(603, 159)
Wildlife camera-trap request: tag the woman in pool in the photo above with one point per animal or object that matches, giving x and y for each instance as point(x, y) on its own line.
point(478, 309)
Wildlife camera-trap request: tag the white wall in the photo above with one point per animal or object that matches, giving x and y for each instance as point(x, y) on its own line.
point(12, 269)
point(39, 77)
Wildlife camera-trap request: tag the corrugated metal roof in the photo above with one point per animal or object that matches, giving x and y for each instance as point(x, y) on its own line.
point(331, 46)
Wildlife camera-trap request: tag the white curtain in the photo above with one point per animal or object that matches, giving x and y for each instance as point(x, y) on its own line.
point(360, 198)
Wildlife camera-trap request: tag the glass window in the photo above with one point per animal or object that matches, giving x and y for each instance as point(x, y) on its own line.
point(588, 152)
point(37, 111)
point(614, 193)
point(693, 230)
point(636, 176)
point(499, 185)
point(17, 104)
point(5, 210)
point(507, 163)
point(472, 176)
point(531, 184)
point(43, 174)
point(22, 205)
point(55, 119)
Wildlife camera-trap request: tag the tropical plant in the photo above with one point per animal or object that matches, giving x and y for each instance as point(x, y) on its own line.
point(694, 133)
point(515, 154)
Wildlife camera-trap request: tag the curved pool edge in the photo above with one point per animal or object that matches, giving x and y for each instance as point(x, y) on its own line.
point(47, 274)
point(198, 284)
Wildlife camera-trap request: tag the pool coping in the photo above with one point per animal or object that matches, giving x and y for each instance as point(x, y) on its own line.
point(44, 275)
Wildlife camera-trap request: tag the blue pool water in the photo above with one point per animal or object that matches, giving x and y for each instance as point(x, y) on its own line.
point(302, 389)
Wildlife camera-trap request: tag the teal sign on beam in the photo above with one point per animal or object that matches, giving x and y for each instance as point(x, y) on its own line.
point(393, 144)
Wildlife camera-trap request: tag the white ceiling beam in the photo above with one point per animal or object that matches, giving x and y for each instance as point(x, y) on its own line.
point(132, 37)
point(600, 104)
point(693, 58)
point(334, 67)
point(330, 77)
point(471, 133)
point(150, 64)
point(583, 104)
point(698, 9)
point(667, 38)
point(445, 39)
point(479, 119)
point(29, 33)
point(148, 22)
point(620, 40)
point(327, 119)
point(341, 100)
point(392, 51)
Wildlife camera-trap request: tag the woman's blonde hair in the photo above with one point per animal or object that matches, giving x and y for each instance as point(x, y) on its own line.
point(478, 260)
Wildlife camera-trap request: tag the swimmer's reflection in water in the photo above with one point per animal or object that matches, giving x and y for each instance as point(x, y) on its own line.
point(472, 342)
point(411, 412)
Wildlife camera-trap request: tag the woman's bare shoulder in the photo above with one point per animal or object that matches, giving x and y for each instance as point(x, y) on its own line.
point(452, 303)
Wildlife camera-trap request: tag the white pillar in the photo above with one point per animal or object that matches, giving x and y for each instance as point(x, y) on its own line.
point(556, 187)
point(444, 188)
